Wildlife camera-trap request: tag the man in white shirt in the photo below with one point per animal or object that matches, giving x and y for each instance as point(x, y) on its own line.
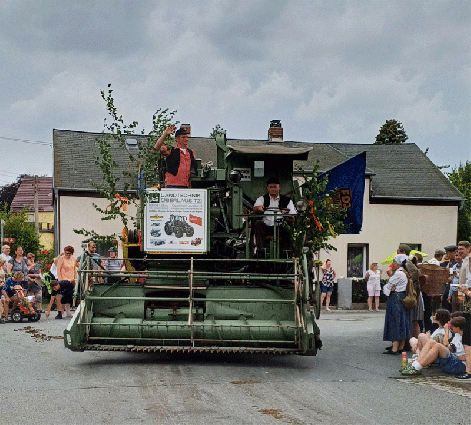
point(438, 257)
point(6, 256)
point(464, 251)
point(269, 204)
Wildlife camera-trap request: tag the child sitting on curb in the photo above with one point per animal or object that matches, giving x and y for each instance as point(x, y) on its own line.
point(449, 355)
point(442, 317)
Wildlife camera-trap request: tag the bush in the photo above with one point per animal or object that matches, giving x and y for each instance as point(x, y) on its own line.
point(360, 294)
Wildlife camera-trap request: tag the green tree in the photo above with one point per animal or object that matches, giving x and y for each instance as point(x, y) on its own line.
point(391, 133)
point(8, 192)
point(460, 177)
point(121, 187)
point(24, 232)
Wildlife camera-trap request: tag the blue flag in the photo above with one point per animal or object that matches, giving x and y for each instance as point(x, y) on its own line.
point(347, 182)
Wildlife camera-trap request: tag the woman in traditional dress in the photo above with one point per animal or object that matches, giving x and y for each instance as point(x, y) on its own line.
point(397, 323)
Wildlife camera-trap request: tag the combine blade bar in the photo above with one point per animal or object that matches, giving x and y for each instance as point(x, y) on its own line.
point(171, 349)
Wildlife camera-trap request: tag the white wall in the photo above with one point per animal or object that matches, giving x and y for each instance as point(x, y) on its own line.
point(386, 226)
point(77, 212)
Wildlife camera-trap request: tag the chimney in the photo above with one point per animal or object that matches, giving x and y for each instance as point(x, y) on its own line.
point(275, 132)
point(187, 127)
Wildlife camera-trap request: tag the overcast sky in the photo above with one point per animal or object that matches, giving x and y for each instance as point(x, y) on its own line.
point(331, 71)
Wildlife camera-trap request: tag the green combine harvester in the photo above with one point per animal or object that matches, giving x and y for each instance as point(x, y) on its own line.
point(192, 281)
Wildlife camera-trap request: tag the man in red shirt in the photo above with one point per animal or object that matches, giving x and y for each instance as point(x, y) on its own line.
point(180, 159)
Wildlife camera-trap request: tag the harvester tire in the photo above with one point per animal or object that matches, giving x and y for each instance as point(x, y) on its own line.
point(178, 232)
point(168, 228)
point(317, 300)
point(190, 231)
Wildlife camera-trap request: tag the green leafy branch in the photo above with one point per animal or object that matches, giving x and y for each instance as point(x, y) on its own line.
point(120, 187)
point(322, 219)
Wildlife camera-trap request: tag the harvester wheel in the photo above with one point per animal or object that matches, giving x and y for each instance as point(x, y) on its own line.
point(317, 300)
point(178, 232)
point(16, 316)
point(190, 231)
point(168, 228)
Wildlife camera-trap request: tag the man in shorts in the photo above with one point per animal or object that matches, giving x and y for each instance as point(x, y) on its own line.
point(450, 355)
point(63, 295)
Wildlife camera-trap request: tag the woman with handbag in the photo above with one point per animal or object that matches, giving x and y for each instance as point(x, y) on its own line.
point(397, 323)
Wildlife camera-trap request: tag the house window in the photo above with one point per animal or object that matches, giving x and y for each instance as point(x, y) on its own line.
point(357, 259)
point(414, 246)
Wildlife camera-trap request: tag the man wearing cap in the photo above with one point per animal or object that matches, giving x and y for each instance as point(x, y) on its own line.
point(180, 162)
point(438, 257)
point(450, 256)
point(268, 204)
point(113, 264)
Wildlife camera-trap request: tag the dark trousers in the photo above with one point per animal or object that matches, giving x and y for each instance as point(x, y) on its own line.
point(261, 231)
point(467, 330)
point(427, 312)
point(431, 304)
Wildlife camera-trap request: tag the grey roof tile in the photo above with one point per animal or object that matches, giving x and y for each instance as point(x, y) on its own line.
point(75, 153)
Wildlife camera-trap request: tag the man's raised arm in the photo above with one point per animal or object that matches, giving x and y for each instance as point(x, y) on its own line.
point(160, 141)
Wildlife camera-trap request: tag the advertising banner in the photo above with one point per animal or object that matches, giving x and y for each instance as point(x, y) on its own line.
point(175, 220)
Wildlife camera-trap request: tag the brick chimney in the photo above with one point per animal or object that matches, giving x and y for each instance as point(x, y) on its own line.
point(275, 132)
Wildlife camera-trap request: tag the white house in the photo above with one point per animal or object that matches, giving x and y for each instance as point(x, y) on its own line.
point(407, 199)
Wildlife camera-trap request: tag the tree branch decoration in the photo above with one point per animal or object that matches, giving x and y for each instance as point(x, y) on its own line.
point(120, 187)
point(321, 220)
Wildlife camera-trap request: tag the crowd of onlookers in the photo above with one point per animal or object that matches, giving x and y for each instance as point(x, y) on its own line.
point(23, 284)
point(436, 329)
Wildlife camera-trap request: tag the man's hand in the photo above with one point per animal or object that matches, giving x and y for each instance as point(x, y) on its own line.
point(170, 130)
point(160, 141)
point(258, 209)
point(48, 313)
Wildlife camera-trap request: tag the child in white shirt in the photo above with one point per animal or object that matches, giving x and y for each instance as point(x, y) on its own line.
point(441, 317)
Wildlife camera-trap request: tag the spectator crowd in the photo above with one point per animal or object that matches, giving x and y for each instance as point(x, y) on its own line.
point(435, 328)
point(22, 281)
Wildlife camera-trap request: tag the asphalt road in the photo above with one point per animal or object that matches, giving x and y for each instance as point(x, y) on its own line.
point(348, 382)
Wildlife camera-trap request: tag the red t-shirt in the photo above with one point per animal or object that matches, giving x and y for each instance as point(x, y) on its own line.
point(183, 176)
